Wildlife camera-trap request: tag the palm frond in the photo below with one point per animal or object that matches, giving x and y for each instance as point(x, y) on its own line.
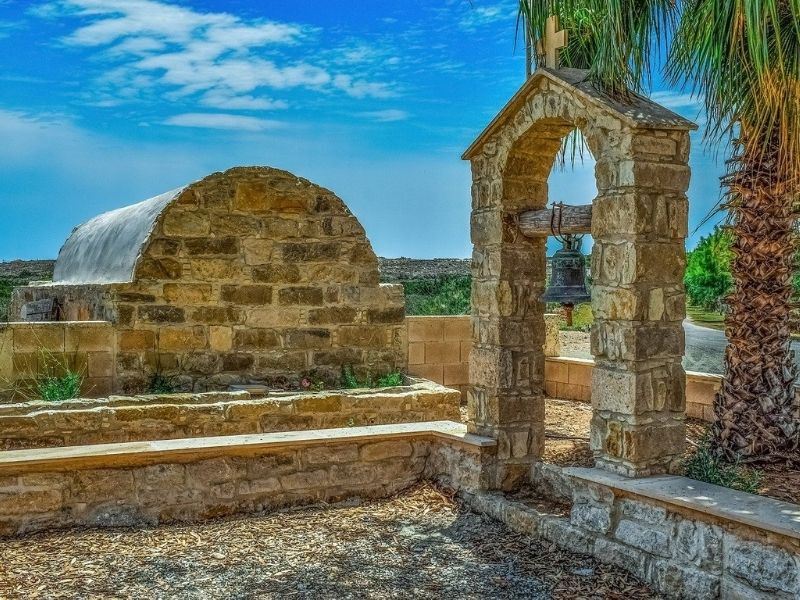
point(744, 57)
point(612, 39)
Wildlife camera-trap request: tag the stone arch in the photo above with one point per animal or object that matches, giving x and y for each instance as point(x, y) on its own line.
point(641, 154)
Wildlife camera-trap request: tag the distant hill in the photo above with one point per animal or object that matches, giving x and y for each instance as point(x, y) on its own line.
point(403, 269)
point(27, 269)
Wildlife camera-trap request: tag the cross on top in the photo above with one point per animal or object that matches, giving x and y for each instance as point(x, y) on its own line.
point(553, 40)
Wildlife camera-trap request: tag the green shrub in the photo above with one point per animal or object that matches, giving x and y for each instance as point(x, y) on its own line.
point(706, 465)
point(708, 270)
point(65, 387)
point(351, 381)
point(444, 295)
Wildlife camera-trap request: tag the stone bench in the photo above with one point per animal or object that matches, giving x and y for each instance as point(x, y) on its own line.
point(137, 483)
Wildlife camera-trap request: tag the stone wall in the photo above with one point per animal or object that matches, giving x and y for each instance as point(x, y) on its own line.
point(127, 419)
point(687, 539)
point(188, 480)
point(438, 349)
point(31, 352)
point(252, 275)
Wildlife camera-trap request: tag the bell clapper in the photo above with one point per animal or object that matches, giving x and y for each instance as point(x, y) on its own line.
point(568, 313)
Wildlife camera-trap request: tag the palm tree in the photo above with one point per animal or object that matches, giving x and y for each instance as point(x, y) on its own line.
point(743, 56)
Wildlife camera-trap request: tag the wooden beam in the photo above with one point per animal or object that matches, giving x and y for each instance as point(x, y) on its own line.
point(574, 220)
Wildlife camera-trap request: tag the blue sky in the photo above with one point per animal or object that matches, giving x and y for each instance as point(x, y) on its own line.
point(104, 103)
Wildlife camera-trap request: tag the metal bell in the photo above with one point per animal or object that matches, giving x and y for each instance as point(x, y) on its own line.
point(568, 278)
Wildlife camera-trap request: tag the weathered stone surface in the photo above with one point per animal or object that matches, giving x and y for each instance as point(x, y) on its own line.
point(251, 248)
point(762, 567)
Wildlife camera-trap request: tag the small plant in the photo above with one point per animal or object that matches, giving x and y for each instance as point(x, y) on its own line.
point(313, 386)
point(706, 465)
point(65, 387)
point(391, 379)
point(351, 381)
point(159, 384)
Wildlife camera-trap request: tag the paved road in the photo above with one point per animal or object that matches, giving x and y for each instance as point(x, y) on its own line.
point(705, 349)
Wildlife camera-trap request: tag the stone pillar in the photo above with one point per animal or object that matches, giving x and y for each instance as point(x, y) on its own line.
point(639, 225)
point(506, 397)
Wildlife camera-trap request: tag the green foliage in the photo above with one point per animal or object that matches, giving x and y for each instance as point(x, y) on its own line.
point(613, 39)
point(708, 270)
point(159, 384)
point(582, 317)
point(445, 295)
point(707, 465)
point(391, 379)
point(351, 381)
point(64, 387)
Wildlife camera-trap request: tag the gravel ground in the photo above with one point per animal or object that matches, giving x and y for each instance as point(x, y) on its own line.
point(418, 545)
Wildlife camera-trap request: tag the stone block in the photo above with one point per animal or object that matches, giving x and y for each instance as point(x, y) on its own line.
point(458, 329)
point(698, 543)
point(159, 269)
point(100, 364)
point(31, 501)
point(363, 336)
point(442, 352)
point(184, 223)
point(217, 315)
point(256, 339)
point(394, 315)
point(187, 293)
point(416, 353)
point(425, 329)
point(631, 393)
point(177, 339)
point(647, 537)
point(308, 339)
point(89, 338)
point(594, 517)
point(139, 340)
point(161, 314)
point(763, 567)
point(305, 480)
point(36, 338)
point(215, 269)
point(325, 455)
point(383, 450)
point(220, 339)
point(308, 296)
point(310, 251)
point(333, 315)
point(630, 559)
point(276, 273)
point(566, 535)
point(679, 581)
point(430, 372)
point(263, 197)
point(456, 374)
point(211, 246)
point(247, 294)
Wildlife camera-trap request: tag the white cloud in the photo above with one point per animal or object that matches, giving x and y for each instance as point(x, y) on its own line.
point(677, 100)
point(481, 16)
point(222, 121)
point(221, 99)
point(386, 116)
point(176, 51)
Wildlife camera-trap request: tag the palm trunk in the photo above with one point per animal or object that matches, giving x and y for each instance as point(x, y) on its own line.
point(758, 416)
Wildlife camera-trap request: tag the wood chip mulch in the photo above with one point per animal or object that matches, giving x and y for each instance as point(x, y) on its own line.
point(567, 445)
point(420, 544)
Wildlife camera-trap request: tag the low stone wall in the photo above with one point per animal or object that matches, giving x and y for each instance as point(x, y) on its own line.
point(439, 348)
point(687, 539)
point(30, 352)
point(170, 416)
point(132, 484)
point(568, 378)
point(571, 379)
